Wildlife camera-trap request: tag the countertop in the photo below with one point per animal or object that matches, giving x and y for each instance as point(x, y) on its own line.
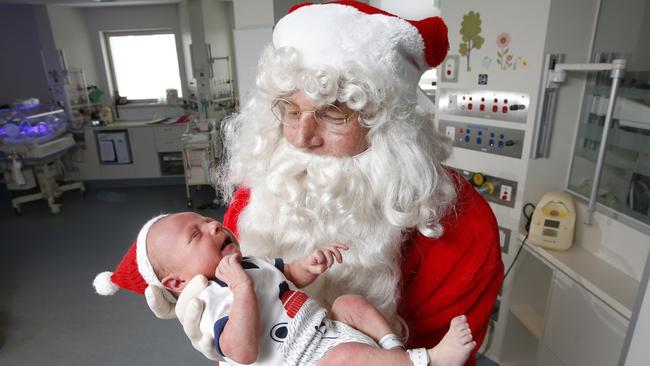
point(615, 288)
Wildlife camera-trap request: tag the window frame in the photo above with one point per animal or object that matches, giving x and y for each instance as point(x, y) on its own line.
point(110, 69)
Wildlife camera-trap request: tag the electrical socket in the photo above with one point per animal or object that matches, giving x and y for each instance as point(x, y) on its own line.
point(505, 193)
point(450, 131)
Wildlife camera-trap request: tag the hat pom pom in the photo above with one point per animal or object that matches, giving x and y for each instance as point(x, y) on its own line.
point(104, 285)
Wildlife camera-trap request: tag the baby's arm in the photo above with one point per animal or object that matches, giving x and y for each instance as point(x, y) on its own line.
point(304, 271)
point(240, 337)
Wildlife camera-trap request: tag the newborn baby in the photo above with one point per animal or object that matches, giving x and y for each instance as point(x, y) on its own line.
point(254, 311)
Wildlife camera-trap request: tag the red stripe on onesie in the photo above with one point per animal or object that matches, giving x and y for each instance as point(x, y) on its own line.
point(293, 301)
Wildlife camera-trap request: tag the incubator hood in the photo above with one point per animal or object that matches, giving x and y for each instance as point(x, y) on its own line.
point(630, 113)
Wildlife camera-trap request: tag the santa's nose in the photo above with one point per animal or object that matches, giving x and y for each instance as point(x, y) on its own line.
point(307, 134)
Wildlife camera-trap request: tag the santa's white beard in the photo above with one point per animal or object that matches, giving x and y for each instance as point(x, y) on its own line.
point(305, 201)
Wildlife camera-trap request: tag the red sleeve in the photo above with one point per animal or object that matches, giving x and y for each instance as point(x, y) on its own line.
point(239, 201)
point(458, 273)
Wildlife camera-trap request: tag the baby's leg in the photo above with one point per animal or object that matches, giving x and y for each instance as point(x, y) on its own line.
point(353, 354)
point(455, 347)
point(357, 312)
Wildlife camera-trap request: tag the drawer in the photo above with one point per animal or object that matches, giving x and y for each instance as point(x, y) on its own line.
point(169, 144)
point(170, 132)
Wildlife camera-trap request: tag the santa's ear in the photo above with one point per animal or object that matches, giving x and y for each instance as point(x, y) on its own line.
point(173, 283)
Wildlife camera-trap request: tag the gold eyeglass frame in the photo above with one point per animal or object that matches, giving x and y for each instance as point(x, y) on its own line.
point(280, 119)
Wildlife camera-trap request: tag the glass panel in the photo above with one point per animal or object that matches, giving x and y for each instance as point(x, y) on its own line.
point(625, 183)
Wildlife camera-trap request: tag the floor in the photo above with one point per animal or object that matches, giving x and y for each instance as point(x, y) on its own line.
point(49, 313)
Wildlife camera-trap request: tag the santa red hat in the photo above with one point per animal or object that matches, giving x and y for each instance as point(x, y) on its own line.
point(336, 33)
point(135, 272)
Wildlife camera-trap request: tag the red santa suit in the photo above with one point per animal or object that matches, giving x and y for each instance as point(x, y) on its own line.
point(460, 272)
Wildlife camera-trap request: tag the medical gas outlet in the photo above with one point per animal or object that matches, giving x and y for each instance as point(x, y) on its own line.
point(488, 139)
point(493, 105)
point(494, 189)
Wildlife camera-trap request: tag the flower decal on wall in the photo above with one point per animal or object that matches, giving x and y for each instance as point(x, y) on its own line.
point(504, 57)
point(503, 40)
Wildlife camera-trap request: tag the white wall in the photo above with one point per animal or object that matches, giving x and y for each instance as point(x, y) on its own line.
point(642, 59)
point(619, 28)
point(21, 68)
point(71, 35)
point(563, 37)
point(412, 9)
point(249, 44)
point(218, 24)
point(186, 40)
point(253, 13)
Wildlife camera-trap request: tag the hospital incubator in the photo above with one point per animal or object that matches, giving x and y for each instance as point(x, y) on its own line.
point(32, 143)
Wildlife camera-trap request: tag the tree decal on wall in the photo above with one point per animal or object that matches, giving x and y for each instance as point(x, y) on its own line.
point(470, 29)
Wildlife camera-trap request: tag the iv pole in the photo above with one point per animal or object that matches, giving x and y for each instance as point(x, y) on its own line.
point(617, 67)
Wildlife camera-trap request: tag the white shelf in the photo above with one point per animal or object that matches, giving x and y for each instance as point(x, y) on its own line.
point(613, 287)
point(78, 105)
point(530, 318)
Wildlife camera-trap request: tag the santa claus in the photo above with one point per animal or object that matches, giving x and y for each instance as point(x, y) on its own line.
point(333, 147)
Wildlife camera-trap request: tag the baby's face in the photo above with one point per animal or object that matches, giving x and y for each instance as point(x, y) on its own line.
point(193, 244)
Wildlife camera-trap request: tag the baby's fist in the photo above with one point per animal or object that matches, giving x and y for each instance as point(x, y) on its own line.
point(323, 258)
point(230, 271)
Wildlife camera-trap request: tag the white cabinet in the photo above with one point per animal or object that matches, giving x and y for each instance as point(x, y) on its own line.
point(580, 328)
point(147, 143)
point(168, 138)
point(145, 156)
point(557, 315)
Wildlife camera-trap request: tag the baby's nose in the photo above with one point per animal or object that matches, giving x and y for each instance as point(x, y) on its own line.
point(214, 226)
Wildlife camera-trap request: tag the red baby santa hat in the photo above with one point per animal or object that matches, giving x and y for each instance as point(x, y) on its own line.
point(335, 33)
point(135, 272)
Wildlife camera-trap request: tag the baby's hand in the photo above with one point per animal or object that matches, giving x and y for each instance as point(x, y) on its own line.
point(231, 272)
point(323, 258)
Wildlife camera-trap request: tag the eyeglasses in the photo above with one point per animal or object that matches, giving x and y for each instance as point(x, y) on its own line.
point(328, 116)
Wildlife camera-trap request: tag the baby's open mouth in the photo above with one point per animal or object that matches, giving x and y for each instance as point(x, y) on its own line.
point(229, 239)
point(226, 242)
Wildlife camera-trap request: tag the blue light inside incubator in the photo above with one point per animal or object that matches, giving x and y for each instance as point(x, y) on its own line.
point(17, 127)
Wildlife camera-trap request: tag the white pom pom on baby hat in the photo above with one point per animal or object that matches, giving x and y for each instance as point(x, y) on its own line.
point(104, 285)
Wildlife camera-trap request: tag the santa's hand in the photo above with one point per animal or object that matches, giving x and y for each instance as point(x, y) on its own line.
point(158, 304)
point(323, 258)
point(189, 309)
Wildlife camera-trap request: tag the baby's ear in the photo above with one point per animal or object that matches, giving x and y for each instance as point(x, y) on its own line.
point(173, 283)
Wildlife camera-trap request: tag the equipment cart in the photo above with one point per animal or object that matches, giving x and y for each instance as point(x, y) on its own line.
point(200, 153)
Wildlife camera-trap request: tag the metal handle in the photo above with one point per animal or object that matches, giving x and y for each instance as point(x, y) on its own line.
point(547, 100)
point(208, 50)
point(616, 75)
point(192, 60)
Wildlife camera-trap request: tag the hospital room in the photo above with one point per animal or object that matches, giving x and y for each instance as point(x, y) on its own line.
point(422, 182)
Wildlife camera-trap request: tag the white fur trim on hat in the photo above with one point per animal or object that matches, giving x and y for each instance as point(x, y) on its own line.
point(144, 265)
point(332, 35)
